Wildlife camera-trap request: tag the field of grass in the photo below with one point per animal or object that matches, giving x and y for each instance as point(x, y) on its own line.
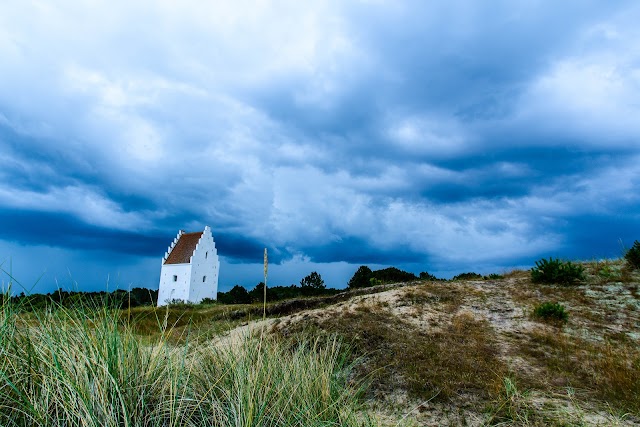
point(473, 351)
point(73, 367)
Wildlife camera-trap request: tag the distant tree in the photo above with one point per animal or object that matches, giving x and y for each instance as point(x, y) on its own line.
point(427, 276)
point(393, 274)
point(361, 278)
point(467, 276)
point(237, 295)
point(141, 296)
point(257, 293)
point(313, 280)
point(633, 255)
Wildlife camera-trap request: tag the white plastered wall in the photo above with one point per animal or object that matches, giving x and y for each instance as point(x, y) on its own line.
point(171, 289)
point(204, 265)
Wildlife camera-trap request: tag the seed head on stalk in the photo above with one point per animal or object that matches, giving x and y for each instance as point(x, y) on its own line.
point(264, 305)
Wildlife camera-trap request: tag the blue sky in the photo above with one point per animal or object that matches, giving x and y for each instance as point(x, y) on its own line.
point(433, 136)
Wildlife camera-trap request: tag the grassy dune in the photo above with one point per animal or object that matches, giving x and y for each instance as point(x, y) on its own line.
point(474, 351)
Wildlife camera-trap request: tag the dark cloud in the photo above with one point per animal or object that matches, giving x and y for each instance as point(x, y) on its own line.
point(406, 133)
point(239, 249)
point(56, 229)
point(596, 236)
point(356, 250)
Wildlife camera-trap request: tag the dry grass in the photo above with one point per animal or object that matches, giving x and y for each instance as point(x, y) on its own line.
point(609, 371)
point(447, 295)
point(396, 355)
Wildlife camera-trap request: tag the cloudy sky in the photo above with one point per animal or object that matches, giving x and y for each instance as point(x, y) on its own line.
point(440, 136)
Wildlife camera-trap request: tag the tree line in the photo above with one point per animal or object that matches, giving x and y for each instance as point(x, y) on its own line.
point(365, 277)
point(310, 285)
point(117, 299)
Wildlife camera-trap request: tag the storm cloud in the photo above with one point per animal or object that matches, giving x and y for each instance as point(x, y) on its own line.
point(439, 136)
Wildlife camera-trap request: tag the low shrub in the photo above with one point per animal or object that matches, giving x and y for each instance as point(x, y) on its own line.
point(557, 271)
point(551, 311)
point(633, 255)
point(494, 276)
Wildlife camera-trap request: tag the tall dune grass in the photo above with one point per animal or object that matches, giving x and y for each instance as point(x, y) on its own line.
point(72, 367)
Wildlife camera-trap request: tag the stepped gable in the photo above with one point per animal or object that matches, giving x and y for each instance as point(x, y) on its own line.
point(183, 250)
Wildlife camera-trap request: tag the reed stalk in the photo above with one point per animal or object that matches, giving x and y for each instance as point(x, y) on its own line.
point(264, 304)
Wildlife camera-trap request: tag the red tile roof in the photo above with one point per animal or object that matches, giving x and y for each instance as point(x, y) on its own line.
point(183, 250)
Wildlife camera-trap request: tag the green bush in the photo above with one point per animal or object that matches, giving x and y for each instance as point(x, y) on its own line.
point(551, 311)
point(633, 255)
point(556, 271)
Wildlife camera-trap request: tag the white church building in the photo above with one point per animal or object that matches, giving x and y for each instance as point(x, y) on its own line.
point(189, 269)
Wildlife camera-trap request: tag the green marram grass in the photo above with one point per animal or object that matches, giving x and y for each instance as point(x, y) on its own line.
point(79, 367)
